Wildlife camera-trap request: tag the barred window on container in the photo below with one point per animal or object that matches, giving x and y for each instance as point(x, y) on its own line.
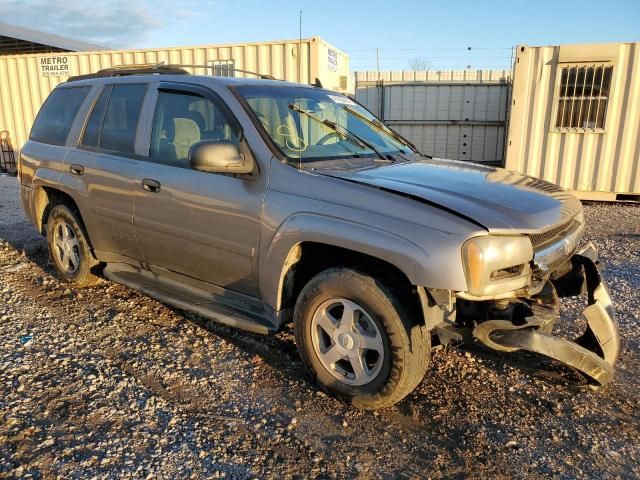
point(583, 97)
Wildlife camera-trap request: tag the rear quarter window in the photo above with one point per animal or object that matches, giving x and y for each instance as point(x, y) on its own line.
point(53, 123)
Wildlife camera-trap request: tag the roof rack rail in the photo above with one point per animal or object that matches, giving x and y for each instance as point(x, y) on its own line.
point(125, 70)
point(263, 76)
point(157, 69)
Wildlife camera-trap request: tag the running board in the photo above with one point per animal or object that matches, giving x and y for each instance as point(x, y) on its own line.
point(215, 307)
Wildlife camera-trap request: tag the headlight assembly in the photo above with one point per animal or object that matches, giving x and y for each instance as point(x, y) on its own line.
point(496, 264)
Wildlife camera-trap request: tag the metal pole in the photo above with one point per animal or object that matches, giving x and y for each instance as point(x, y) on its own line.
point(300, 49)
point(382, 100)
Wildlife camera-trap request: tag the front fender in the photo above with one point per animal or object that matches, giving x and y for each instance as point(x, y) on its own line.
point(413, 260)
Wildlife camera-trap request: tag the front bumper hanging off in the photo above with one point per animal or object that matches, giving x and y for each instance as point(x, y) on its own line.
point(594, 352)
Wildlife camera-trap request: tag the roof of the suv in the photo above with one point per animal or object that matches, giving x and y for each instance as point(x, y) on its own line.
point(193, 79)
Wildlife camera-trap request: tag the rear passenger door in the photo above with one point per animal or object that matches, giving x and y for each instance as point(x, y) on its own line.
point(104, 166)
point(203, 225)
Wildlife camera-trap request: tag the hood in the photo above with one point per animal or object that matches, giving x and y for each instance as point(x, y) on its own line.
point(494, 198)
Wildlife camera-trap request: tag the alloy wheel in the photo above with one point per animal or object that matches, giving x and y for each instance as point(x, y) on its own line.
point(66, 247)
point(347, 341)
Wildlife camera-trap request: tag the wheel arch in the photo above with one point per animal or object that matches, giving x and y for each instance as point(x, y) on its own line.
point(305, 245)
point(46, 197)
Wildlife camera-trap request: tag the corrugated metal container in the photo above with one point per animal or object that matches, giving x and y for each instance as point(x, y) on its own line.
point(25, 82)
point(473, 143)
point(450, 114)
point(554, 133)
point(476, 76)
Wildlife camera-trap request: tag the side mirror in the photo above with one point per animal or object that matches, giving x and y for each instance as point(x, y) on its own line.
point(219, 157)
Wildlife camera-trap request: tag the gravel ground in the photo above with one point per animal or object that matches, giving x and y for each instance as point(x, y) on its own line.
point(107, 383)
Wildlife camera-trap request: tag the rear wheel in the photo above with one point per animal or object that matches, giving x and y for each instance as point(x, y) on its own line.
point(69, 248)
point(357, 340)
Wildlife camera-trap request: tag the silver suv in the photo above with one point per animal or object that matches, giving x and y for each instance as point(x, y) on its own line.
point(258, 202)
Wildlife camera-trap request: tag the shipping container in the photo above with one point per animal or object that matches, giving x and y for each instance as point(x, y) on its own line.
point(27, 80)
point(459, 115)
point(469, 75)
point(575, 117)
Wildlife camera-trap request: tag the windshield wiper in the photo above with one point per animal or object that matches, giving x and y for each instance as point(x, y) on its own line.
point(341, 131)
point(380, 127)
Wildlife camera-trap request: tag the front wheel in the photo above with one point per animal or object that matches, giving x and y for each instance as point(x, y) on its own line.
point(356, 339)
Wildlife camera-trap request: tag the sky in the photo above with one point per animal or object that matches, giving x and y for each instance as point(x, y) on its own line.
point(437, 34)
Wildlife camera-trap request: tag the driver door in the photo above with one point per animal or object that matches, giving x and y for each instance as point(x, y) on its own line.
point(203, 225)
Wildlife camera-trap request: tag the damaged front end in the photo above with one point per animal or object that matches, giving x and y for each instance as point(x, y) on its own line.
point(526, 323)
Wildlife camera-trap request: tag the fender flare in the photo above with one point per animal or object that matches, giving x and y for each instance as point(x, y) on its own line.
point(280, 254)
point(56, 180)
point(42, 178)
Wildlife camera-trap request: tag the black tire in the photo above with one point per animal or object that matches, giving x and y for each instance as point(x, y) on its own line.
point(407, 344)
point(82, 276)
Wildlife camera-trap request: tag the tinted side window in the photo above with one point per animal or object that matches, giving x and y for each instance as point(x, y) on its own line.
point(56, 115)
point(121, 118)
point(91, 137)
point(183, 119)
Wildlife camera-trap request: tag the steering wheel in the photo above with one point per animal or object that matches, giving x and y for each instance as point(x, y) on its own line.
point(323, 140)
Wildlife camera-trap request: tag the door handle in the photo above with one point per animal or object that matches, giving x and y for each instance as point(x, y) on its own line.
point(76, 169)
point(150, 185)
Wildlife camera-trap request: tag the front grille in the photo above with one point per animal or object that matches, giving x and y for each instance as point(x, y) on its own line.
point(544, 239)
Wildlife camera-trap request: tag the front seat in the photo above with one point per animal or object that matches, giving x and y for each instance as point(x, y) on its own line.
point(185, 133)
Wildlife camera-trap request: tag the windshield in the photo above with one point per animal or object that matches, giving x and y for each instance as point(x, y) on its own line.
point(310, 125)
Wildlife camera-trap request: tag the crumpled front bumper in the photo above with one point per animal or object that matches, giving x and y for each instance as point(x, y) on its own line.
point(594, 353)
